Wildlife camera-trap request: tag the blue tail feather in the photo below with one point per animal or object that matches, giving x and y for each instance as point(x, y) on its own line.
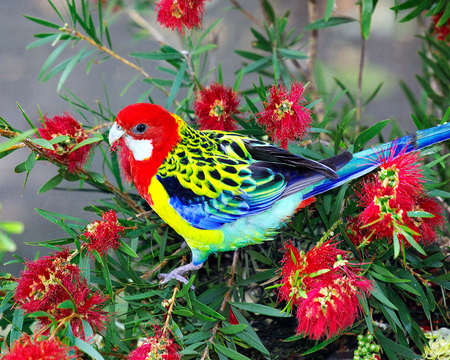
point(363, 162)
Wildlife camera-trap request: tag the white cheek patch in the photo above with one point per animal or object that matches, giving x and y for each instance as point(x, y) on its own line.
point(141, 149)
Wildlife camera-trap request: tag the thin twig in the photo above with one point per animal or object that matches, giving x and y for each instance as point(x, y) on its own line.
point(415, 274)
point(138, 19)
point(159, 266)
point(226, 298)
point(360, 80)
point(246, 13)
point(79, 35)
point(170, 310)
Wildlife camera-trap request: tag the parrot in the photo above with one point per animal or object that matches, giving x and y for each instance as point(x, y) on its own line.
point(222, 190)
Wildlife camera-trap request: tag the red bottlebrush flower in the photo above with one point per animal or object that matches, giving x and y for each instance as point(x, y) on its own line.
point(401, 172)
point(214, 106)
point(66, 125)
point(331, 307)
point(429, 227)
point(284, 116)
point(180, 13)
point(159, 346)
point(105, 234)
point(298, 268)
point(51, 280)
point(39, 283)
point(442, 31)
point(324, 287)
point(46, 349)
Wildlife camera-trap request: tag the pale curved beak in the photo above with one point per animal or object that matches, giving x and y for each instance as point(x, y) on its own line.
point(115, 134)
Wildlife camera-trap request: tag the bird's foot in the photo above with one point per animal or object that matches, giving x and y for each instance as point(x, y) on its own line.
point(178, 273)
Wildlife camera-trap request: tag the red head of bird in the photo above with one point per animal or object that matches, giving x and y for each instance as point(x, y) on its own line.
point(151, 133)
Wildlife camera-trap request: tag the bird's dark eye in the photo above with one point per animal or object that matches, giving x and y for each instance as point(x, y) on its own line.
point(140, 128)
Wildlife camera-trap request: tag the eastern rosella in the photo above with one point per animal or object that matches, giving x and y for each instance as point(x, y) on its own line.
point(221, 191)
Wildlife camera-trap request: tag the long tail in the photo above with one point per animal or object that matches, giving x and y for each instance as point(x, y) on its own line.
point(365, 161)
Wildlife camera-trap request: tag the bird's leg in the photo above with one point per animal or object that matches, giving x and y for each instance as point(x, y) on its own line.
point(178, 273)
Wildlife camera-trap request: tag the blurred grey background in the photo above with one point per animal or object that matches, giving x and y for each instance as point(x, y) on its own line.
point(391, 54)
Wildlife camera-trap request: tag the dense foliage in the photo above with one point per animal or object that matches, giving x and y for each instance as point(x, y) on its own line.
point(365, 263)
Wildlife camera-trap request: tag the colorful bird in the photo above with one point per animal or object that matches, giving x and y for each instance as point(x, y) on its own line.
point(222, 191)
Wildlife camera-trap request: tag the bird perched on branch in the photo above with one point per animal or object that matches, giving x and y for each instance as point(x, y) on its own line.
point(222, 191)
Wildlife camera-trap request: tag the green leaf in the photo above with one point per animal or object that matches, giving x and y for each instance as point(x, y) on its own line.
point(43, 22)
point(51, 184)
point(378, 294)
point(126, 249)
point(197, 305)
point(176, 84)
point(51, 59)
point(43, 143)
point(203, 49)
point(270, 12)
point(68, 304)
point(30, 161)
point(238, 80)
point(260, 309)
point(87, 349)
point(369, 134)
point(396, 348)
point(320, 345)
point(366, 17)
point(249, 55)
point(424, 4)
point(17, 323)
point(420, 214)
point(186, 287)
point(96, 177)
point(230, 353)
point(158, 55)
point(375, 92)
point(232, 329)
point(253, 342)
point(96, 137)
point(332, 21)
point(257, 65)
point(70, 66)
point(329, 9)
point(292, 54)
point(259, 257)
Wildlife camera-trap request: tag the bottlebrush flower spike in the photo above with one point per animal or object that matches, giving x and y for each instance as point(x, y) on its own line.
point(324, 287)
point(401, 172)
point(442, 31)
point(214, 106)
point(285, 117)
point(298, 267)
point(26, 348)
point(105, 234)
point(159, 346)
point(180, 13)
point(66, 125)
point(51, 280)
point(332, 306)
point(39, 284)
